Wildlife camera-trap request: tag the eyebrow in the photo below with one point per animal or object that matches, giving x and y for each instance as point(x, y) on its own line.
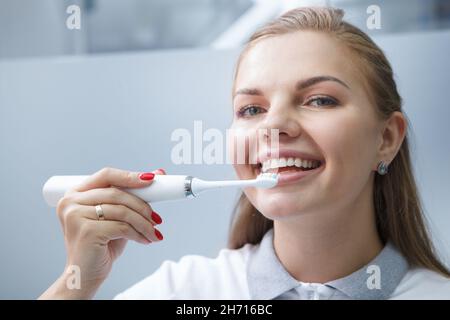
point(302, 84)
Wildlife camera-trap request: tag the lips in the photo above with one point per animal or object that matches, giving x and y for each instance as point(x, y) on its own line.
point(296, 176)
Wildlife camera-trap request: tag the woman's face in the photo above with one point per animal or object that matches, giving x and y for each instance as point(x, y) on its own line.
point(308, 86)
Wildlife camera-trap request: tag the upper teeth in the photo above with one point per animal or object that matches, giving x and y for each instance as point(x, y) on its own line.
point(288, 162)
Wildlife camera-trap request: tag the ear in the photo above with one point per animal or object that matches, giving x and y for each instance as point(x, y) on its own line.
point(393, 134)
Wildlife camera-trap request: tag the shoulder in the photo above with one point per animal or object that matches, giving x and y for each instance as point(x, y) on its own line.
point(197, 277)
point(421, 283)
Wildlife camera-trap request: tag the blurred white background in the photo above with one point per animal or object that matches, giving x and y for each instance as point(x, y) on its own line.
point(37, 28)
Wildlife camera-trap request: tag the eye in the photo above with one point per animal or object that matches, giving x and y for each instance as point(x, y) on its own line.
point(321, 101)
point(249, 111)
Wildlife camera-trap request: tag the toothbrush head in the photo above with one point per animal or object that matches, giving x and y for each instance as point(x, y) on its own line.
point(266, 180)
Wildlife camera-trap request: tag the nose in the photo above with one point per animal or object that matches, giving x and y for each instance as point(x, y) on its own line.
point(281, 116)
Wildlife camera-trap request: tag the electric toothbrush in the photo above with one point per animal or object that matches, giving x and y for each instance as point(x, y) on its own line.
point(163, 187)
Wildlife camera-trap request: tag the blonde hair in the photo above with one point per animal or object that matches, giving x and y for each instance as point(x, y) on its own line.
point(399, 215)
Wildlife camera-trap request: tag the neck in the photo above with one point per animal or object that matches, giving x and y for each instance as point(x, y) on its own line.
point(325, 246)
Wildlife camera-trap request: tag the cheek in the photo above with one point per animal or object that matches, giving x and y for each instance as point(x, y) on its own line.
point(349, 145)
point(243, 172)
point(237, 145)
point(243, 143)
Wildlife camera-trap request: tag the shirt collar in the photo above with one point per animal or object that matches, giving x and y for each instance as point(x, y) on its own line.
point(267, 278)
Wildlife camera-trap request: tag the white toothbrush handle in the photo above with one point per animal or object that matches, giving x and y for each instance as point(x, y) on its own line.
point(199, 185)
point(163, 188)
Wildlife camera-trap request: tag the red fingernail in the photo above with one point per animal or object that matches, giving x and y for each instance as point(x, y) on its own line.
point(158, 234)
point(162, 170)
point(156, 218)
point(146, 176)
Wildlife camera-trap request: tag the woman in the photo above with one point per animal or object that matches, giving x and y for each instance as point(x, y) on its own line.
point(348, 227)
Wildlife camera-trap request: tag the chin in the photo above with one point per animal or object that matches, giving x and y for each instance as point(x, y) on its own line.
point(276, 206)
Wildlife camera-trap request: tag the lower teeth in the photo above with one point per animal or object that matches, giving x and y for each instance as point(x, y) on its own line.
point(285, 169)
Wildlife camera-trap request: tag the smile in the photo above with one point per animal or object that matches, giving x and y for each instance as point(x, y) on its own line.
point(291, 166)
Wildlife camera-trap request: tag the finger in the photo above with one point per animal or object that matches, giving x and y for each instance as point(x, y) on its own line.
point(118, 197)
point(107, 177)
point(124, 214)
point(112, 230)
point(159, 171)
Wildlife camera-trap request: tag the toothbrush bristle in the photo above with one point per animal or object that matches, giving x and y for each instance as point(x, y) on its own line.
point(267, 180)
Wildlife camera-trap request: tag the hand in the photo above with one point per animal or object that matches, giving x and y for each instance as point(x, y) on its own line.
point(93, 245)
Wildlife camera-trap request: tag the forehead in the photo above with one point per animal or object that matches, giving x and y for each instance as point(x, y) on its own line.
point(288, 58)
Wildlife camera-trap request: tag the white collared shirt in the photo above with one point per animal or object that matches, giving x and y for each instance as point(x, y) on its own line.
point(254, 272)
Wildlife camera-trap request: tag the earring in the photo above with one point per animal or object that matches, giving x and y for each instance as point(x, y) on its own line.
point(382, 168)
